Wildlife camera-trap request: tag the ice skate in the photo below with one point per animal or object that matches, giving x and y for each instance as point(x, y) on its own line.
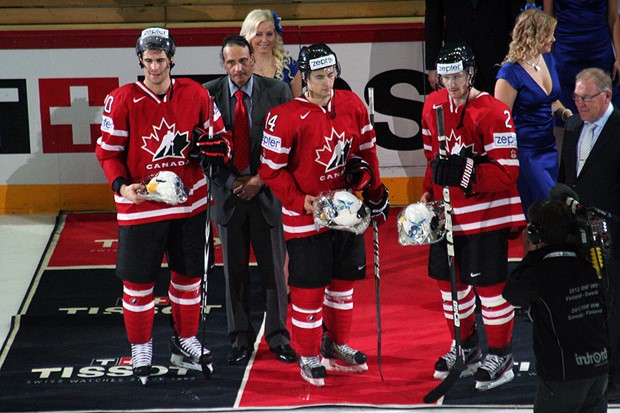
point(341, 357)
point(494, 371)
point(447, 361)
point(190, 354)
point(312, 371)
point(141, 359)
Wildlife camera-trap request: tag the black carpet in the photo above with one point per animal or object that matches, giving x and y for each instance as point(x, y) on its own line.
point(69, 351)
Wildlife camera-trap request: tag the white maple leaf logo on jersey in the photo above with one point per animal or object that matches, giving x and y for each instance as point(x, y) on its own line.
point(456, 146)
point(334, 153)
point(165, 142)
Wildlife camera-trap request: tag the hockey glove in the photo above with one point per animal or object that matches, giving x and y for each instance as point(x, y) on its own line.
point(378, 203)
point(216, 151)
point(358, 174)
point(454, 171)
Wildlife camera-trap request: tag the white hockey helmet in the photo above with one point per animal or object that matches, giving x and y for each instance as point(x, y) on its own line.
point(165, 186)
point(341, 210)
point(420, 224)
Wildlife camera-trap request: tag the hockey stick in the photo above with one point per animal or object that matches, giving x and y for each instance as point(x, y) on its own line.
point(375, 246)
point(207, 267)
point(442, 388)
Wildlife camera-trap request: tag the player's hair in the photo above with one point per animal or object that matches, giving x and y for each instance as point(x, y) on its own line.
point(601, 79)
point(249, 29)
point(531, 30)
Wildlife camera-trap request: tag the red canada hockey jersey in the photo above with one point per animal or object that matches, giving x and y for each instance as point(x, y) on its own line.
point(142, 134)
point(305, 149)
point(487, 136)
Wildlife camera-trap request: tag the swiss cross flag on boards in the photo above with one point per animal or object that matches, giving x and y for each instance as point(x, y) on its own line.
point(71, 112)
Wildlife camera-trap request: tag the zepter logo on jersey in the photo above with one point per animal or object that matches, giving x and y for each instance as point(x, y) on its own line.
point(334, 154)
point(165, 142)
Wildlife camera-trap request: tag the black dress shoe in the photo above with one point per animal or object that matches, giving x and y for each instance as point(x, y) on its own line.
point(284, 353)
point(238, 355)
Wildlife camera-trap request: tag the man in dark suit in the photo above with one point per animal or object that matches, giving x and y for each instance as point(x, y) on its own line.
point(590, 164)
point(246, 211)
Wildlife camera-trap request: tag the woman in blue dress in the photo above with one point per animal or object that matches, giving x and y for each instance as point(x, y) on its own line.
point(528, 83)
point(587, 34)
point(262, 30)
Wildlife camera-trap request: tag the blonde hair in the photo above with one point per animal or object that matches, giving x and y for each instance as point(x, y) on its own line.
point(531, 30)
point(249, 28)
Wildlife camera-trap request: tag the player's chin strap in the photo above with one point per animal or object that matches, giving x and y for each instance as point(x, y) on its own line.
point(460, 125)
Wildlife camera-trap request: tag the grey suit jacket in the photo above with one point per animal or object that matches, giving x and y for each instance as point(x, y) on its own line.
point(598, 184)
point(266, 94)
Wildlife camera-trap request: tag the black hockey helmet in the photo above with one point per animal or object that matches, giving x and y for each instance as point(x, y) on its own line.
point(155, 38)
point(455, 58)
point(314, 57)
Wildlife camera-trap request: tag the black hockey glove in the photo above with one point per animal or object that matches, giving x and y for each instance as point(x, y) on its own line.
point(216, 151)
point(454, 171)
point(378, 203)
point(358, 174)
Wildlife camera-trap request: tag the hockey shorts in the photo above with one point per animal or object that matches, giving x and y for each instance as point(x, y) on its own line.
point(481, 259)
point(315, 260)
point(141, 249)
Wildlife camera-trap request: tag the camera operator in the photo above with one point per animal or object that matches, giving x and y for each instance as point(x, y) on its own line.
point(567, 308)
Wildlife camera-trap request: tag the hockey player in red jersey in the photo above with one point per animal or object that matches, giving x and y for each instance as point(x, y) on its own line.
point(148, 127)
point(481, 171)
point(321, 141)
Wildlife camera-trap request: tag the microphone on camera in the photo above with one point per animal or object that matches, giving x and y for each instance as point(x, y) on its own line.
point(563, 193)
point(567, 195)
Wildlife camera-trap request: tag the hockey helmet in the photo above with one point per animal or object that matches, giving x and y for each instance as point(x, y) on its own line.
point(341, 210)
point(455, 58)
point(155, 38)
point(314, 57)
point(420, 224)
point(164, 186)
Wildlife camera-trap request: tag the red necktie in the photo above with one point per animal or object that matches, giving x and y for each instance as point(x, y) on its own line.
point(241, 134)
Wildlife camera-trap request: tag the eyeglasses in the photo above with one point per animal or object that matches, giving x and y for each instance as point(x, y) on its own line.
point(585, 98)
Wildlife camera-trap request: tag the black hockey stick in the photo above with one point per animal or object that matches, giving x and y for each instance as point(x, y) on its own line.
point(208, 236)
point(375, 246)
point(459, 366)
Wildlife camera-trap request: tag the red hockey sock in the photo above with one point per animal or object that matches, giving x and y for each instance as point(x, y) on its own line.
point(467, 307)
point(307, 320)
point(338, 310)
point(497, 315)
point(138, 311)
point(184, 293)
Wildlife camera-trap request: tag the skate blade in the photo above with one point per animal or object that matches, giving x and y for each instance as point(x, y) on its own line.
point(183, 362)
point(488, 385)
point(319, 382)
point(336, 365)
point(469, 371)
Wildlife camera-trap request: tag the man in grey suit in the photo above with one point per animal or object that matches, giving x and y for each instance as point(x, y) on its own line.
point(590, 164)
point(245, 210)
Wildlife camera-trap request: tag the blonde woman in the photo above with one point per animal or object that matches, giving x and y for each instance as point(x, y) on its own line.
point(528, 83)
point(262, 29)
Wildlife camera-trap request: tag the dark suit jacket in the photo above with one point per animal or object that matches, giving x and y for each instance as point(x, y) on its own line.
point(266, 94)
point(598, 184)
